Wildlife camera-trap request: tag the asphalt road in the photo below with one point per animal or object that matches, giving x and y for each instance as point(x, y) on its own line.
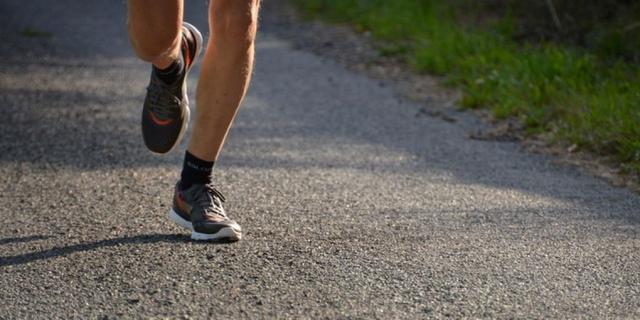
point(352, 205)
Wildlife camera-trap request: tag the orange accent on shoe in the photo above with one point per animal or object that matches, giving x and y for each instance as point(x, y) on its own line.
point(159, 121)
point(182, 205)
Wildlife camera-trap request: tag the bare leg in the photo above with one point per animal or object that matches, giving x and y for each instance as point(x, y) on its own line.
point(155, 27)
point(224, 74)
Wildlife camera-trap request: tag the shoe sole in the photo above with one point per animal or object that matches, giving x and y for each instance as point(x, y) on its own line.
point(186, 110)
point(225, 234)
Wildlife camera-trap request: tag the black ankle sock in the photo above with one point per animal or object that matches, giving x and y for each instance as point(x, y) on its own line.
point(195, 171)
point(171, 73)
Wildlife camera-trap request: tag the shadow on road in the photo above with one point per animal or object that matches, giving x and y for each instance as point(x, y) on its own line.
point(70, 127)
point(22, 239)
point(82, 247)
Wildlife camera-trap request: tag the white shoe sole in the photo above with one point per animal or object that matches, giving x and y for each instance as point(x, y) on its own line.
point(228, 233)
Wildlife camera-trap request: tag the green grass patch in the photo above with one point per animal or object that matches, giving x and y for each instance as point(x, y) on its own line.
point(566, 91)
point(35, 33)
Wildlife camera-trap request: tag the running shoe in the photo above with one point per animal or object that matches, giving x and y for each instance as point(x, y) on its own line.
point(199, 209)
point(165, 114)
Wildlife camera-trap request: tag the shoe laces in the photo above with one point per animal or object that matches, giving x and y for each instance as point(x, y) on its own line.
point(163, 103)
point(210, 200)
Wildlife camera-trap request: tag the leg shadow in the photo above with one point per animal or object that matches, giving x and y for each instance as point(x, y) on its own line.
point(63, 251)
point(22, 239)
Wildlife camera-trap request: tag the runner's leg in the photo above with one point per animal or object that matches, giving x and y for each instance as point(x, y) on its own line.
point(224, 78)
point(155, 28)
point(224, 74)
point(158, 35)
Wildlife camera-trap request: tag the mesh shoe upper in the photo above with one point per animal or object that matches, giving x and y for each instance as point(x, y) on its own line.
point(202, 205)
point(165, 113)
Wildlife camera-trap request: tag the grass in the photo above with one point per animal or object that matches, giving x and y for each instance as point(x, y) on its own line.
point(34, 33)
point(567, 92)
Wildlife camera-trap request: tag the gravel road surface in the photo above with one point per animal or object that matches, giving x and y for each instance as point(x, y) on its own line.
point(354, 205)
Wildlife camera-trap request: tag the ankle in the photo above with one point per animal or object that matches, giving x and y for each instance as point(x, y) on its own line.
point(195, 171)
point(164, 61)
point(171, 73)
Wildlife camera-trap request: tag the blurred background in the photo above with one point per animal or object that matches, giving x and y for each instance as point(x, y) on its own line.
point(565, 71)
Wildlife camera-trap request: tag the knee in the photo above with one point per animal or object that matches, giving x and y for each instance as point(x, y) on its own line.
point(151, 46)
point(234, 21)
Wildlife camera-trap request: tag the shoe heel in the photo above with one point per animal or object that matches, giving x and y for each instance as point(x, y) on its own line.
point(177, 219)
point(199, 39)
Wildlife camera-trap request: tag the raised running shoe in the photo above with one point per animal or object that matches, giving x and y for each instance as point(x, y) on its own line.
point(199, 209)
point(165, 114)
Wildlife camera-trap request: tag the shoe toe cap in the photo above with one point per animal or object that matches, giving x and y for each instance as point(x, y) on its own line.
point(160, 138)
